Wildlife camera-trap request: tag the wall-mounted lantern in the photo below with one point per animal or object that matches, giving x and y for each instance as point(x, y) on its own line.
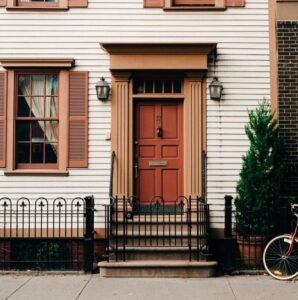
point(102, 90)
point(215, 89)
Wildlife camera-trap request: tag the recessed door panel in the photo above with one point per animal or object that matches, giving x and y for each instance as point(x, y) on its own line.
point(159, 150)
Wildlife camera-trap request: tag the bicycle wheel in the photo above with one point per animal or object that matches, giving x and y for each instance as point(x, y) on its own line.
point(276, 262)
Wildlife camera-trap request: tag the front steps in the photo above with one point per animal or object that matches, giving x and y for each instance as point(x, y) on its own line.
point(158, 262)
point(163, 269)
point(163, 244)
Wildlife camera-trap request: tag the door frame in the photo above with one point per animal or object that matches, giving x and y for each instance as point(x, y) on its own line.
point(194, 118)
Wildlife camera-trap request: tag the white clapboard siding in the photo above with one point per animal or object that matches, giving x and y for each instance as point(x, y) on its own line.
point(242, 35)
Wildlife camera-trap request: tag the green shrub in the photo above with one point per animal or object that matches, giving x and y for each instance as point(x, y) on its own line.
point(258, 189)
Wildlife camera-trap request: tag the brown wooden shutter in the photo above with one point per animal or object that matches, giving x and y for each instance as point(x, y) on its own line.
point(235, 3)
point(2, 3)
point(3, 87)
point(152, 3)
point(78, 120)
point(77, 3)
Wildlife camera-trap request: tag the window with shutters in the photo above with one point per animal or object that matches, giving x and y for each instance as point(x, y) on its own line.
point(219, 4)
point(193, 4)
point(43, 117)
point(37, 120)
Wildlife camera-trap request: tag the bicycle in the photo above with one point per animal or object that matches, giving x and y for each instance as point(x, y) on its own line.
point(280, 256)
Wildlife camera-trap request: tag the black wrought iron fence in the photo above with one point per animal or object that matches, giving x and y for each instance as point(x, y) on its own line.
point(46, 235)
point(183, 223)
point(244, 247)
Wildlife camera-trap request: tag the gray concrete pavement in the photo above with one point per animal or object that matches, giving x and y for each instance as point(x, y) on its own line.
point(87, 287)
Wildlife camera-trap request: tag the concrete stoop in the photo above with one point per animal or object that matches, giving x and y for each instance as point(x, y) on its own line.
point(182, 269)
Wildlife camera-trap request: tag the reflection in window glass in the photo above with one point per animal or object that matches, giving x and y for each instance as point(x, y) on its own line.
point(23, 153)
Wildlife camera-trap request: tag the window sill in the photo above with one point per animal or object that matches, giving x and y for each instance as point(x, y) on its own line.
point(36, 173)
point(197, 8)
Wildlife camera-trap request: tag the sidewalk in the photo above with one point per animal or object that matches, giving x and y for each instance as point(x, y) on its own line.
point(89, 287)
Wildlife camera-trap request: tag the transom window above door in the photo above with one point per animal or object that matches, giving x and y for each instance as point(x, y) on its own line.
point(37, 121)
point(157, 86)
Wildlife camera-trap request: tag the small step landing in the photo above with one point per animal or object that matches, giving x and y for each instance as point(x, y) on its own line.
point(162, 269)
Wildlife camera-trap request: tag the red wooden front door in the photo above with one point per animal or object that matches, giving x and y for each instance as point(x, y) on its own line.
point(159, 150)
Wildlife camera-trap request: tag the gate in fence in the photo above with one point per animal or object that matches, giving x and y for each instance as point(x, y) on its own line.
point(46, 235)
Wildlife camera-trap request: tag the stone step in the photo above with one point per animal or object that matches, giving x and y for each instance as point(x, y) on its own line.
point(159, 253)
point(161, 269)
point(154, 232)
point(143, 241)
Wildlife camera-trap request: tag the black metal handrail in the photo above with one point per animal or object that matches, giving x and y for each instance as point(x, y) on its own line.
point(183, 223)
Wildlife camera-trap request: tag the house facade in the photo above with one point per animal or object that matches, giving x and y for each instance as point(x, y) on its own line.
point(159, 57)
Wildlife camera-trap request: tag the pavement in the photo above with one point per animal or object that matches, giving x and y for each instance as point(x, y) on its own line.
point(89, 287)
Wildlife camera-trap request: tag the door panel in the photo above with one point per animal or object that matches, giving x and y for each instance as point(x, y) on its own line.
point(159, 152)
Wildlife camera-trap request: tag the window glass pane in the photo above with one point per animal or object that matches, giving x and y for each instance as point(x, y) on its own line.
point(37, 131)
point(23, 106)
point(52, 131)
point(37, 109)
point(37, 153)
point(158, 86)
point(24, 85)
point(51, 153)
point(168, 86)
point(138, 86)
point(51, 107)
point(23, 153)
point(149, 86)
point(38, 85)
point(23, 131)
point(51, 85)
point(177, 86)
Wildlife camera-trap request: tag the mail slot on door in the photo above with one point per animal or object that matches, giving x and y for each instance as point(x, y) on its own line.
point(161, 163)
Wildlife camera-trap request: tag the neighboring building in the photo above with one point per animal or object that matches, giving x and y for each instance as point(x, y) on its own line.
point(55, 133)
point(287, 36)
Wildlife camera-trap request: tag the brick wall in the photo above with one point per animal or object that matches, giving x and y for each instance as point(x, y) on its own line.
point(287, 38)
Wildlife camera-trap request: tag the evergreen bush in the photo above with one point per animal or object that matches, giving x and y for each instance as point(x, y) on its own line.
point(258, 189)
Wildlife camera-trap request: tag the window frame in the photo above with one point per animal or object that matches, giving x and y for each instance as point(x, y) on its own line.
point(218, 5)
point(30, 118)
point(61, 66)
point(37, 4)
point(59, 5)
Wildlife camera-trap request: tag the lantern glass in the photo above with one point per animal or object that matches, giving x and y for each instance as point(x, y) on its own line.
point(102, 90)
point(216, 89)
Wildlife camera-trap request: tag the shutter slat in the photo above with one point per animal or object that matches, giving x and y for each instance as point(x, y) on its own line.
point(78, 119)
point(3, 119)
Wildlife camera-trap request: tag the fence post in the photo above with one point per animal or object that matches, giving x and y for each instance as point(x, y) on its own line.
point(88, 237)
point(228, 238)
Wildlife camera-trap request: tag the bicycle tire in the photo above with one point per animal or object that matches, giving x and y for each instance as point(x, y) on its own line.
point(276, 263)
